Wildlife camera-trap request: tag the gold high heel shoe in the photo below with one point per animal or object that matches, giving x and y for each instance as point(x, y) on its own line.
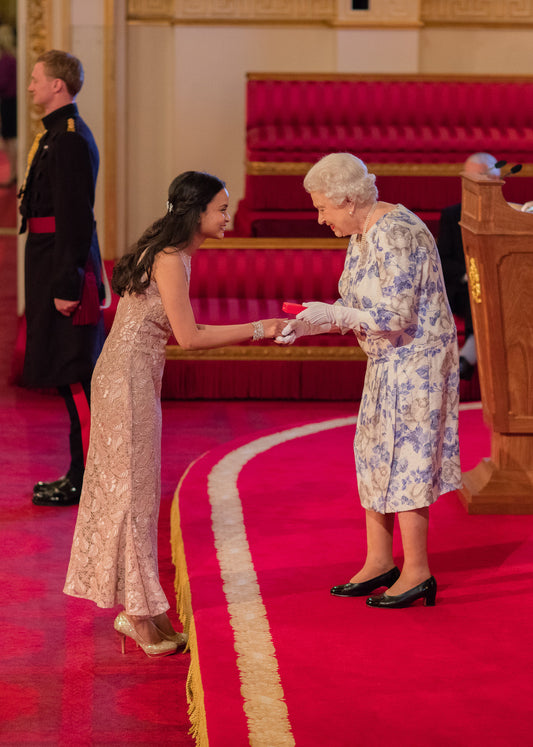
point(125, 628)
point(180, 639)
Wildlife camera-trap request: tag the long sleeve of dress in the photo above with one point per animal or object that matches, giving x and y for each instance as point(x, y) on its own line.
point(386, 281)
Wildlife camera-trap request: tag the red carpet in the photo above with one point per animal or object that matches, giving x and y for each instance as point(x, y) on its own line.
point(63, 680)
point(277, 661)
point(463, 679)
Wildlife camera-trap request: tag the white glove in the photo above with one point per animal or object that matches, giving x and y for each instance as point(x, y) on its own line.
point(342, 317)
point(298, 328)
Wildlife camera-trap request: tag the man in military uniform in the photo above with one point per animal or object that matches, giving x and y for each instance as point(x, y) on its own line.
point(63, 273)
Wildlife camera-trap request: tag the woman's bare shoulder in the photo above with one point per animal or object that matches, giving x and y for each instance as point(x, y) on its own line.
point(169, 256)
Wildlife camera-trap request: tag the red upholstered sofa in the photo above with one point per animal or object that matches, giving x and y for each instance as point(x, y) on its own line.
point(414, 133)
point(240, 280)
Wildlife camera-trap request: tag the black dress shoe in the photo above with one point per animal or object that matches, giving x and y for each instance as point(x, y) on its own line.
point(66, 495)
point(466, 369)
point(427, 591)
point(41, 486)
point(365, 587)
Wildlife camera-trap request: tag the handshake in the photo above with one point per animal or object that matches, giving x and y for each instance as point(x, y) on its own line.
point(317, 318)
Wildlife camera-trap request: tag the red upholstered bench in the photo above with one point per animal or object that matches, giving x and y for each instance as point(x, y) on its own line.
point(414, 132)
point(241, 280)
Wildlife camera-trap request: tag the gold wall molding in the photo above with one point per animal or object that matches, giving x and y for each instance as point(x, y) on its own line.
point(290, 168)
point(269, 353)
point(382, 13)
point(151, 10)
point(276, 244)
point(232, 11)
point(478, 13)
point(325, 12)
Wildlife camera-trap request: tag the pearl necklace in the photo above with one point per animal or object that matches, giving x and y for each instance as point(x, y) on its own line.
point(361, 238)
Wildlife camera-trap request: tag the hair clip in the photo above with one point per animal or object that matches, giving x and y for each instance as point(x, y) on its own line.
point(170, 207)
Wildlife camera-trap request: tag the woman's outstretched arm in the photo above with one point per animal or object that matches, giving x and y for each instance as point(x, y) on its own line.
point(170, 276)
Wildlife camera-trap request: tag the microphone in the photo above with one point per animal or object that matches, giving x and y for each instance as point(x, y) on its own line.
point(513, 170)
point(500, 164)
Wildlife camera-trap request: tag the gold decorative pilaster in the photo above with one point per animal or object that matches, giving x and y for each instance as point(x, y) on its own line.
point(110, 132)
point(474, 281)
point(38, 40)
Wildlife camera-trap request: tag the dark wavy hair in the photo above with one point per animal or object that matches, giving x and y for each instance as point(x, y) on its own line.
point(188, 197)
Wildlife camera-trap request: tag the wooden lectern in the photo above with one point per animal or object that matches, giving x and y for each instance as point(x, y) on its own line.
point(498, 246)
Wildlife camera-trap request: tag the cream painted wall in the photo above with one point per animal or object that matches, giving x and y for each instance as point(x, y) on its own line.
point(86, 42)
point(187, 101)
point(151, 125)
point(477, 51)
point(377, 50)
point(186, 88)
point(186, 95)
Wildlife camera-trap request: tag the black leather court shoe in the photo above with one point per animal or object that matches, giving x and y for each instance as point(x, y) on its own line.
point(66, 495)
point(427, 591)
point(366, 587)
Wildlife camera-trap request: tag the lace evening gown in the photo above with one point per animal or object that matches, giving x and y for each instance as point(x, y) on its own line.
point(114, 550)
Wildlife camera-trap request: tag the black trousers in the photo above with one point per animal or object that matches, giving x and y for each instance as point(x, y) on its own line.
point(78, 401)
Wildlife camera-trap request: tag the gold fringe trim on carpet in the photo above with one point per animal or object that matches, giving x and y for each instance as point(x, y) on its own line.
point(263, 697)
point(195, 690)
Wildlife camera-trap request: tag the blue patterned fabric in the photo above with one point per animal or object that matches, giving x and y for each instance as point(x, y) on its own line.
point(406, 444)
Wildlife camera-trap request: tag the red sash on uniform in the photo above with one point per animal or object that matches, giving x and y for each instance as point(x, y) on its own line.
point(88, 309)
point(46, 224)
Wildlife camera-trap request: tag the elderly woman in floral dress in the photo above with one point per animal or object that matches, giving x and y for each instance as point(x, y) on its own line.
point(406, 443)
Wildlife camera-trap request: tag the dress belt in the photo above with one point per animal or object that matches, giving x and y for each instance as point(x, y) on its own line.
point(42, 225)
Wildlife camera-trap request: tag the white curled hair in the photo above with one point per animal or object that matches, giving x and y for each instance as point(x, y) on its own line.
point(486, 161)
point(341, 176)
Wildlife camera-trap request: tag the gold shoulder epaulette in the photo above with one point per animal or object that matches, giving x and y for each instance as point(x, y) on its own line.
point(71, 127)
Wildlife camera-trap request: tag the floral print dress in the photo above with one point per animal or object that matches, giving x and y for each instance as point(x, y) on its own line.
point(406, 443)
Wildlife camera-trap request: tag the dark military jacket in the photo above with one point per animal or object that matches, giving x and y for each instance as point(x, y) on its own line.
point(61, 184)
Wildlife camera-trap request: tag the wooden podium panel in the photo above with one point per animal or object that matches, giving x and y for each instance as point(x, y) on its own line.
point(498, 246)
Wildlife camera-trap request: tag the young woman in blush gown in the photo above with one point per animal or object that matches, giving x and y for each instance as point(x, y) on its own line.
point(114, 551)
